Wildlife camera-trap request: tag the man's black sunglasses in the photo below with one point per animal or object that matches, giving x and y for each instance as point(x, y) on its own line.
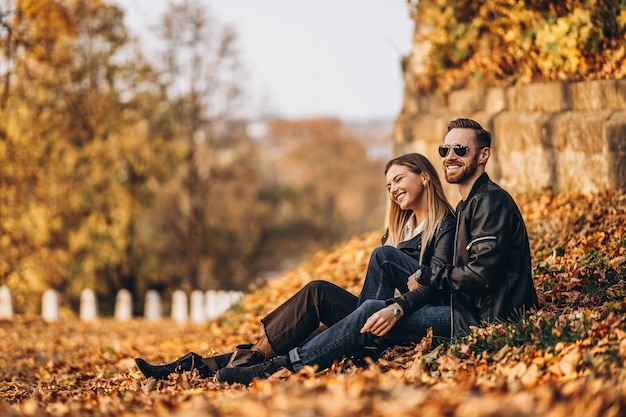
point(460, 150)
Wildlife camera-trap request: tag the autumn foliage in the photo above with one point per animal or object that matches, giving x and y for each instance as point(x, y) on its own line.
point(566, 359)
point(100, 173)
point(488, 43)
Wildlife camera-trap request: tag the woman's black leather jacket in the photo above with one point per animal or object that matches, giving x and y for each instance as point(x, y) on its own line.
point(438, 251)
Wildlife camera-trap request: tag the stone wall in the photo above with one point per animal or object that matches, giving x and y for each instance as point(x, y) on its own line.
point(558, 135)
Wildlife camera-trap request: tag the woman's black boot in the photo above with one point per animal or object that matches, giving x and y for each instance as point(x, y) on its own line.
point(206, 366)
point(187, 363)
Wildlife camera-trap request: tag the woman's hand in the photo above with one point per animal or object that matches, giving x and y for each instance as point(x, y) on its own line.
point(380, 322)
point(412, 283)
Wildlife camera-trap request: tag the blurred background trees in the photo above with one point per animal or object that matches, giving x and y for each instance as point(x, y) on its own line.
point(123, 168)
point(119, 171)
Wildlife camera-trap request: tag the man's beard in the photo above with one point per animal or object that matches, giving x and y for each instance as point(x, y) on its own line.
point(467, 171)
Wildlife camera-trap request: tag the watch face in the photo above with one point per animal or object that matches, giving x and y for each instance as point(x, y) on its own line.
point(417, 274)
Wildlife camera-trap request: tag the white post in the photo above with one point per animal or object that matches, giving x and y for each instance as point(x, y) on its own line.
point(50, 305)
point(152, 306)
point(180, 312)
point(197, 307)
point(211, 304)
point(234, 297)
point(88, 305)
point(123, 305)
point(6, 303)
point(217, 302)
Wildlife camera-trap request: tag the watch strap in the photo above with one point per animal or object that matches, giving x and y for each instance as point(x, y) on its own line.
point(396, 310)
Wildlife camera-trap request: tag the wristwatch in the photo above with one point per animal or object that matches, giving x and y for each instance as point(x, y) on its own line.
point(396, 311)
point(417, 275)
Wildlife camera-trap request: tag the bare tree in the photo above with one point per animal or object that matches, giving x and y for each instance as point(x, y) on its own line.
point(6, 48)
point(200, 74)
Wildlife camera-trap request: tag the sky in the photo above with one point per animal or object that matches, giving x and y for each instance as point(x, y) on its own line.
point(333, 58)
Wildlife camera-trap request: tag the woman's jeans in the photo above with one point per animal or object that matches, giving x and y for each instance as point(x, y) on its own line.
point(389, 269)
point(297, 321)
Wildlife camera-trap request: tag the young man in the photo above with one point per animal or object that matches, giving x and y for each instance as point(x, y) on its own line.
point(490, 276)
point(491, 273)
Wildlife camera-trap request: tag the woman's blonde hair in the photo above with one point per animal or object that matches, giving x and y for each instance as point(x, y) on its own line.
point(438, 205)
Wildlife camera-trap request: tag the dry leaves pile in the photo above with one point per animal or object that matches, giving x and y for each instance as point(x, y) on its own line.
point(566, 360)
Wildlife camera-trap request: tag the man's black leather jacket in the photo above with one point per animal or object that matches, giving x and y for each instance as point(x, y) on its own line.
point(491, 275)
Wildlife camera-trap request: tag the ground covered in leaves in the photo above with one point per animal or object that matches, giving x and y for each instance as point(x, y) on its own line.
point(565, 360)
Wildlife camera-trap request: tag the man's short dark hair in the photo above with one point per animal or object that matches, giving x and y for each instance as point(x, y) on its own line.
point(483, 137)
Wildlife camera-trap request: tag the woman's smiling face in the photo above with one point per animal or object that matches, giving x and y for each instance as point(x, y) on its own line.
point(405, 187)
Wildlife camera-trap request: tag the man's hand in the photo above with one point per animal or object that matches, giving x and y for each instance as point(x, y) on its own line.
point(380, 322)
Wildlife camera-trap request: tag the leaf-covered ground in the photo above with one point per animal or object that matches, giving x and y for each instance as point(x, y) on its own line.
point(565, 360)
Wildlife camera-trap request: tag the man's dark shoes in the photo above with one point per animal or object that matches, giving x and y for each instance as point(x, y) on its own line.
point(245, 374)
point(362, 357)
point(187, 363)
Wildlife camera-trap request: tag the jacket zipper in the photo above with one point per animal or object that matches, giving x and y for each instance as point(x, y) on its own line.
point(480, 239)
point(456, 234)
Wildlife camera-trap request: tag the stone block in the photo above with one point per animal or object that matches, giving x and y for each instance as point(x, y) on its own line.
point(416, 103)
point(520, 160)
point(616, 142)
point(598, 95)
point(495, 100)
point(431, 103)
point(467, 101)
point(485, 118)
point(581, 150)
point(620, 87)
point(428, 133)
point(539, 97)
point(402, 130)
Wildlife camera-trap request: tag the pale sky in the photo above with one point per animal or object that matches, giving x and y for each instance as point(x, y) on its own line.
point(312, 58)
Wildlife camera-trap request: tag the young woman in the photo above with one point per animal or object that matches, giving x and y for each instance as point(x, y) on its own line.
point(312, 324)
